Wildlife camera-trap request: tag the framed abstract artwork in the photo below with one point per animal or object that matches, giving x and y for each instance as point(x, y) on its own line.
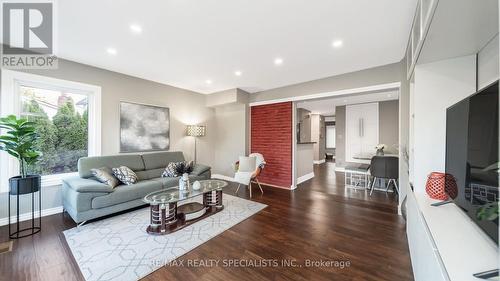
point(144, 127)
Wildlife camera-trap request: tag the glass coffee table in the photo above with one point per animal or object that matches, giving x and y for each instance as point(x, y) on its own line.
point(166, 216)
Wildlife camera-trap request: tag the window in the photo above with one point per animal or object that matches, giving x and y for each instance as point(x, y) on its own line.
point(61, 121)
point(330, 136)
point(67, 119)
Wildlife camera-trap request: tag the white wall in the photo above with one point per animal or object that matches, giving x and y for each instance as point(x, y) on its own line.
point(438, 85)
point(488, 63)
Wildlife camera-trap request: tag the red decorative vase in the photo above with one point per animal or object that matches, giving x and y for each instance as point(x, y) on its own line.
point(441, 186)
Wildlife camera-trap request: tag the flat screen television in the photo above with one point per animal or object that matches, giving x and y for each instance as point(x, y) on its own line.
point(472, 157)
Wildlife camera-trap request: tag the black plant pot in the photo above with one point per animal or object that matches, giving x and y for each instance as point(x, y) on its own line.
point(29, 184)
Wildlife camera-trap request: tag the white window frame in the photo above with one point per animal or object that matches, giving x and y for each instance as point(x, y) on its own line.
point(10, 104)
point(326, 137)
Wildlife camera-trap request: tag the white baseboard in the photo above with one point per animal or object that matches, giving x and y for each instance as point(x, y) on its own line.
point(339, 169)
point(27, 216)
point(305, 177)
point(319, 161)
point(222, 177)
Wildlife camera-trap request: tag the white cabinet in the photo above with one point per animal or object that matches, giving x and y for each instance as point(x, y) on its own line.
point(425, 259)
point(362, 131)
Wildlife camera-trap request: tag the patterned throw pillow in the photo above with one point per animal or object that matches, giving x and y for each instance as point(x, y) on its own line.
point(125, 175)
point(105, 175)
point(173, 169)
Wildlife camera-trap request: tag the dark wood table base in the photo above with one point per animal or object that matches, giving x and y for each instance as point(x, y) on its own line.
point(168, 217)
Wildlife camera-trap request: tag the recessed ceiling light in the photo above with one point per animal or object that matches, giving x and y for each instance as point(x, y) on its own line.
point(135, 28)
point(111, 51)
point(238, 73)
point(278, 61)
point(208, 81)
point(337, 43)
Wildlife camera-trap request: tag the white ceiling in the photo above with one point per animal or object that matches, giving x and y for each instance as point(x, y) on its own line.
point(186, 42)
point(327, 106)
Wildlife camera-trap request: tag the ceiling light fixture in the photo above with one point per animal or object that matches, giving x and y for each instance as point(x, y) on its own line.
point(111, 51)
point(337, 43)
point(208, 81)
point(238, 73)
point(278, 61)
point(135, 28)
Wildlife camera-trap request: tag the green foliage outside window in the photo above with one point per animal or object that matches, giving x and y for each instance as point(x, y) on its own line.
point(62, 140)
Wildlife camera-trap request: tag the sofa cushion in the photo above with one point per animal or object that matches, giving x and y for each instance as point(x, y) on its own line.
point(172, 182)
point(199, 169)
point(143, 175)
point(167, 182)
point(105, 175)
point(157, 160)
point(125, 175)
point(173, 169)
point(86, 185)
point(125, 193)
point(155, 173)
point(133, 161)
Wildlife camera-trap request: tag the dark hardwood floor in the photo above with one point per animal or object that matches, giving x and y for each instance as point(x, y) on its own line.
point(319, 221)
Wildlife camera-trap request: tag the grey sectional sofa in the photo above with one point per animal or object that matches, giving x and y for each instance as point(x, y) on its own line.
point(85, 198)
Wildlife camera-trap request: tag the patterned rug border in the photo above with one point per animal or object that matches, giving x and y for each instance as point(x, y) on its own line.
point(260, 206)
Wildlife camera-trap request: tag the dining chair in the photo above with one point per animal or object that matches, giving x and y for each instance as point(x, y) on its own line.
point(385, 167)
point(246, 177)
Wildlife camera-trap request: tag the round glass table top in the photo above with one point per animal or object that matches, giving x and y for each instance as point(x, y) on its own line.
point(173, 194)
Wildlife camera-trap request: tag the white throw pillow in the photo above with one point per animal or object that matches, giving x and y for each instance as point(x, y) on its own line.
point(247, 164)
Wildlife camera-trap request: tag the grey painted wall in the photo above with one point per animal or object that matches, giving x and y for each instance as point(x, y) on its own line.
point(231, 138)
point(322, 138)
point(186, 107)
point(304, 121)
point(340, 136)
point(373, 76)
point(389, 125)
point(304, 159)
point(318, 136)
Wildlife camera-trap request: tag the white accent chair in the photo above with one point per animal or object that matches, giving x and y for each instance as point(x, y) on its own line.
point(246, 177)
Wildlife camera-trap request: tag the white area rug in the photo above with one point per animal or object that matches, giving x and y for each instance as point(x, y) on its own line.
point(118, 248)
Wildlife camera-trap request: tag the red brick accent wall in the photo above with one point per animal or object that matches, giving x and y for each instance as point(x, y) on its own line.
point(271, 135)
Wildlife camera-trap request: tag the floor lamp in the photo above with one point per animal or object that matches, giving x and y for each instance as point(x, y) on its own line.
point(195, 131)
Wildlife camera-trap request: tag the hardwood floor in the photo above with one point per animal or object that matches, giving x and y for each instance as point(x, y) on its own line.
point(319, 221)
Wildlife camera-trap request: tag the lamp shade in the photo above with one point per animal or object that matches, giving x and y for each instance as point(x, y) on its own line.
point(195, 130)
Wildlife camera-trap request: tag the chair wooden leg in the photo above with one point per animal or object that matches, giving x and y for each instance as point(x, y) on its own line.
point(238, 188)
point(373, 185)
point(250, 188)
point(258, 183)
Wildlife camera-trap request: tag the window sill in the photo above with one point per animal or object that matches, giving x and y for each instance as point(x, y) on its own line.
point(55, 180)
point(49, 180)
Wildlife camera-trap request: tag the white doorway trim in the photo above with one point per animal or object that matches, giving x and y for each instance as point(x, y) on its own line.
point(379, 87)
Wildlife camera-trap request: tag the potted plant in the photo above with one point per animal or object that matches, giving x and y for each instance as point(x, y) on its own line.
point(19, 141)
